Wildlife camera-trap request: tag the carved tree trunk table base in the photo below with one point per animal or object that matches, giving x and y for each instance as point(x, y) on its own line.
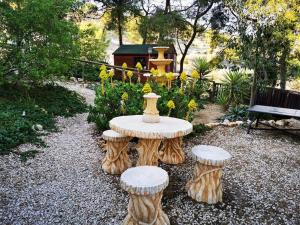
point(145, 185)
point(206, 184)
point(171, 152)
point(116, 160)
point(148, 152)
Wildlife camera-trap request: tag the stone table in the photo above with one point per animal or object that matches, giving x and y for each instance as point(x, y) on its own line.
point(150, 136)
point(206, 184)
point(145, 184)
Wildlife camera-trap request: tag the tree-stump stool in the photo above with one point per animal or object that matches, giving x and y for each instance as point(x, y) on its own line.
point(145, 184)
point(206, 184)
point(116, 160)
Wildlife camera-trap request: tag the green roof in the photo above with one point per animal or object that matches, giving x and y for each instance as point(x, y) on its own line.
point(138, 49)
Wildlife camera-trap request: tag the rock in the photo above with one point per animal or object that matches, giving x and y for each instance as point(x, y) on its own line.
point(239, 122)
point(80, 80)
point(293, 123)
point(280, 123)
point(211, 125)
point(73, 79)
point(226, 122)
point(231, 124)
point(37, 127)
point(271, 122)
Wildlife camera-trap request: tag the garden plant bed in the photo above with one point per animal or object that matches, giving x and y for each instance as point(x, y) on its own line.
point(64, 183)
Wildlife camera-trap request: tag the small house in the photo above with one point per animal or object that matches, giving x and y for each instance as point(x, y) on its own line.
point(131, 54)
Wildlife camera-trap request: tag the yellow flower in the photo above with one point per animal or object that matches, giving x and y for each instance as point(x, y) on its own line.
point(129, 73)
point(124, 96)
point(124, 66)
point(181, 92)
point(111, 73)
point(171, 104)
point(103, 67)
point(169, 76)
point(147, 88)
point(154, 72)
point(139, 66)
point(192, 105)
point(103, 75)
point(195, 74)
point(183, 76)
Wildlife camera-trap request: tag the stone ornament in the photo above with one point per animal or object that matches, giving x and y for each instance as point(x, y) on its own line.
point(206, 184)
point(116, 159)
point(151, 134)
point(145, 185)
point(151, 114)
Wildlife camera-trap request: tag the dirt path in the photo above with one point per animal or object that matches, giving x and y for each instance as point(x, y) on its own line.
point(210, 114)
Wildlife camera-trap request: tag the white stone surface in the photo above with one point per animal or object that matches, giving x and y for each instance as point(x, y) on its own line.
point(144, 180)
point(168, 127)
point(210, 155)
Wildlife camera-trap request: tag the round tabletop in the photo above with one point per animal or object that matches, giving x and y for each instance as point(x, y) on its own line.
point(168, 127)
point(210, 155)
point(144, 180)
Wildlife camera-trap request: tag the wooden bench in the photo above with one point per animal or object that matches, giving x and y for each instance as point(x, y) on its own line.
point(275, 102)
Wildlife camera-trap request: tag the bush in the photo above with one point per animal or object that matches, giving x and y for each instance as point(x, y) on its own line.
point(239, 112)
point(23, 107)
point(37, 42)
point(236, 89)
point(111, 104)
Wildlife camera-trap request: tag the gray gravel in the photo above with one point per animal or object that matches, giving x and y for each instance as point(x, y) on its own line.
point(64, 183)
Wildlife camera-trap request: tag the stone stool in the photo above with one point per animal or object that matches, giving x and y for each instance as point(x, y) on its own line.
point(206, 184)
point(116, 159)
point(145, 184)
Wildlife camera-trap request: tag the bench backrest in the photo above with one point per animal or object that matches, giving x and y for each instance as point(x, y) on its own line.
point(278, 98)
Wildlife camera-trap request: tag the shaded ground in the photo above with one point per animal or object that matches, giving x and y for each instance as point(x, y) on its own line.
point(64, 184)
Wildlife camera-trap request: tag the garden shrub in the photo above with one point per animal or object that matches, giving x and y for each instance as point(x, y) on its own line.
point(235, 90)
point(23, 107)
point(123, 98)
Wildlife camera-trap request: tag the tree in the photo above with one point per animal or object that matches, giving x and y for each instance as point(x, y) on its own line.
point(263, 34)
point(119, 11)
point(187, 36)
point(36, 41)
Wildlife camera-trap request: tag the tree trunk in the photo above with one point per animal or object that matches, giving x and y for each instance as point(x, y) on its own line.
point(255, 75)
point(186, 48)
point(283, 68)
point(120, 31)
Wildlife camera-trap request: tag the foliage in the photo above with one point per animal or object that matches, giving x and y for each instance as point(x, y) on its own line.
point(123, 98)
point(236, 89)
point(238, 112)
point(21, 108)
point(202, 66)
point(93, 43)
point(24, 156)
point(263, 38)
point(36, 41)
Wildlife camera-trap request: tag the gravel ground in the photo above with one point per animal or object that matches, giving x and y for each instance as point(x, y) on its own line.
point(64, 183)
